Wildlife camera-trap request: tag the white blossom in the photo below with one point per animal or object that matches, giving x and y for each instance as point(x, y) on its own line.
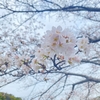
point(83, 45)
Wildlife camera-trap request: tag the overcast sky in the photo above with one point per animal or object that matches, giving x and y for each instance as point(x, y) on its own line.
point(17, 88)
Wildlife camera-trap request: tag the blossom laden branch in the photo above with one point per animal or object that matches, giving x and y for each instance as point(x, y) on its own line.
point(60, 40)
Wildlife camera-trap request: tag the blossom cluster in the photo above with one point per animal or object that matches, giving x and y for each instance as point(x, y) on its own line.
point(5, 62)
point(61, 42)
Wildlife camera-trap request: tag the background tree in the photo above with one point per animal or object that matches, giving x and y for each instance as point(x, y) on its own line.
point(19, 37)
point(5, 96)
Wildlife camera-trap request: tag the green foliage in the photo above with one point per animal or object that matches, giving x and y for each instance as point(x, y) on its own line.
point(5, 96)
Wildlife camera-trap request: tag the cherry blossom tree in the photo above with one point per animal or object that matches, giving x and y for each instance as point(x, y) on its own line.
point(66, 64)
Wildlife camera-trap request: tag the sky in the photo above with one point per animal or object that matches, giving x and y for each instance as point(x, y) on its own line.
point(18, 88)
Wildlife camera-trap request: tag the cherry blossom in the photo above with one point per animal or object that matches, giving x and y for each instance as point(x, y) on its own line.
point(83, 45)
point(62, 43)
point(58, 41)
